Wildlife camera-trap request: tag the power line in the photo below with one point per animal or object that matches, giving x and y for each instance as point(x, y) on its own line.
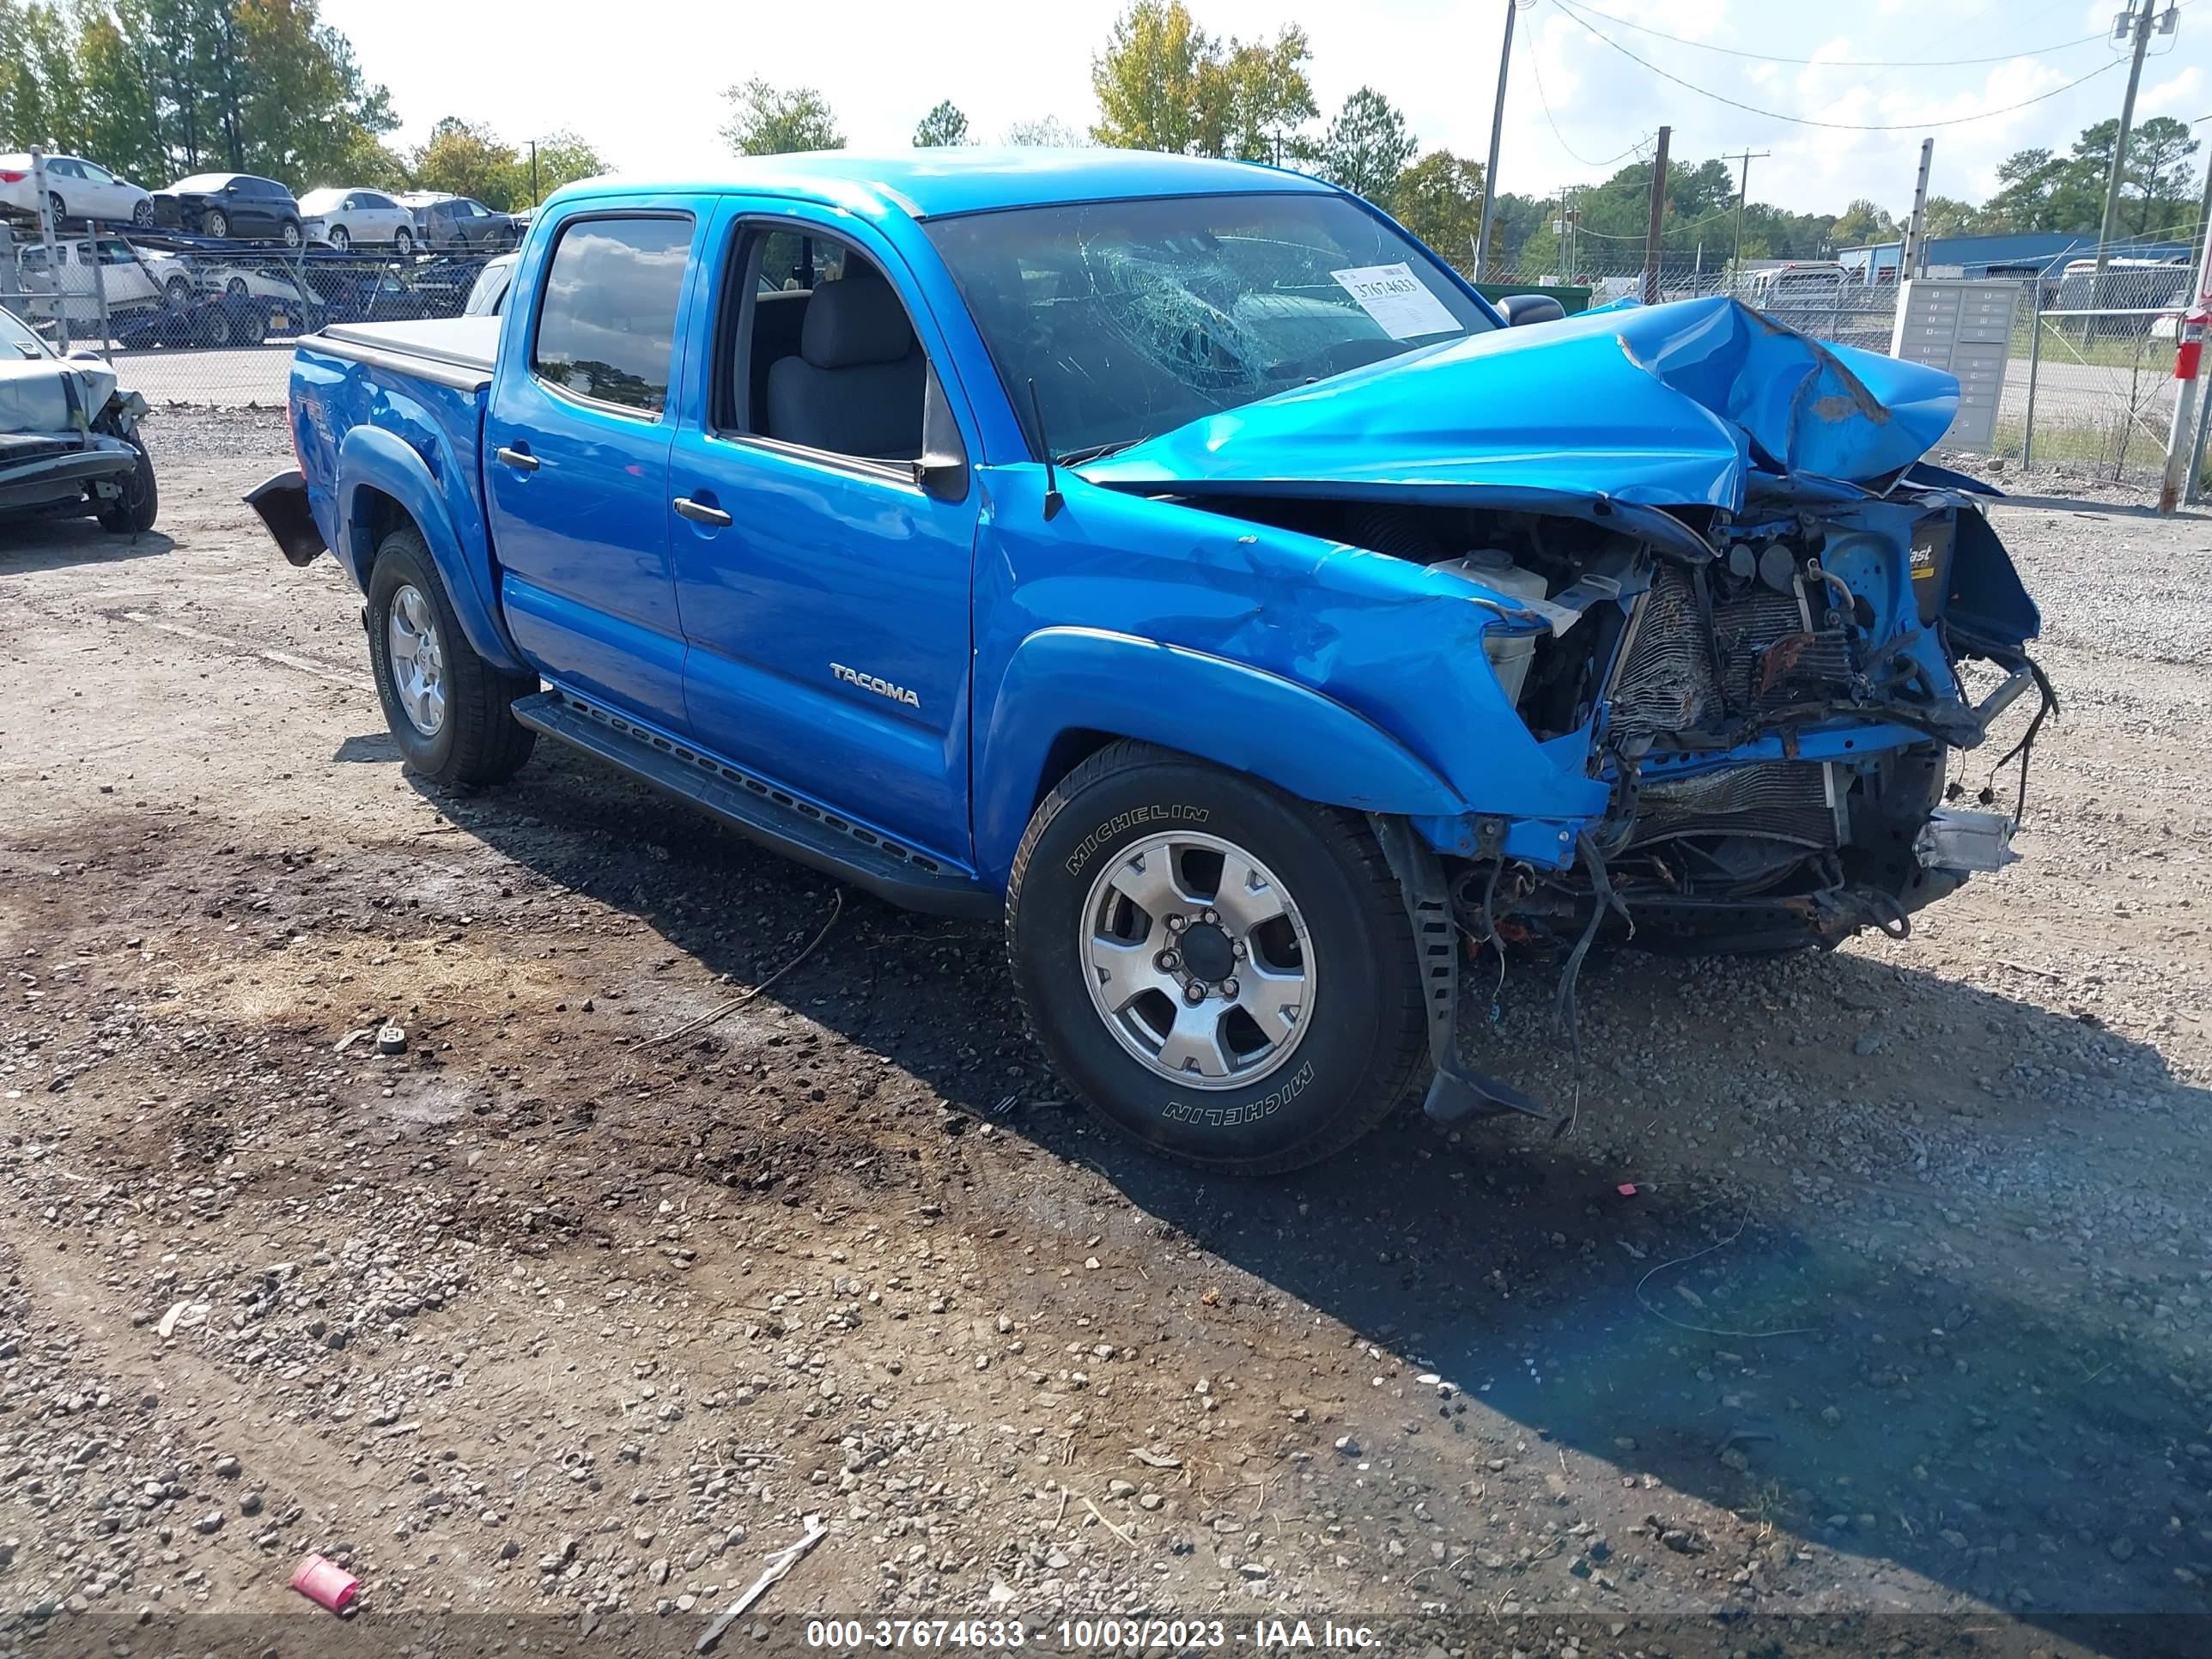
point(1536, 63)
point(1839, 126)
point(1865, 63)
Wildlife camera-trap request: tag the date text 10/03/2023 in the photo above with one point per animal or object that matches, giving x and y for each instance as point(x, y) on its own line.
point(1086, 1635)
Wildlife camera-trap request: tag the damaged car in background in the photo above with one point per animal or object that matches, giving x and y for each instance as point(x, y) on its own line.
point(1176, 560)
point(70, 445)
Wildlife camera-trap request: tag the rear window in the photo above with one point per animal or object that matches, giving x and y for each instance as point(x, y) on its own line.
point(203, 184)
point(606, 328)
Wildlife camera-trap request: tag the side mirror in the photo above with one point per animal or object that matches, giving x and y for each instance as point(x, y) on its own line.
point(1519, 309)
point(940, 471)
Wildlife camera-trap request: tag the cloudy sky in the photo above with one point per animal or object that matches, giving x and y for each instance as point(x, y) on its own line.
point(643, 80)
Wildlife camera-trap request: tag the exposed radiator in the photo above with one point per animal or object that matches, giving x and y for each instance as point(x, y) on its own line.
point(1668, 682)
point(1788, 799)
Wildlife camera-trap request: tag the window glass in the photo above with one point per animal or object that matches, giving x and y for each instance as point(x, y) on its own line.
point(98, 175)
point(202, 183)
point(606, 328)
point(369, 198)
point(1134, 317)
point(61, 167)
point(114, 251)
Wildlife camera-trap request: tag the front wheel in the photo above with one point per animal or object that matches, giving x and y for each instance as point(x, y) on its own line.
point(217, 222)
point(1224, 974)
point(451, 712)
point(177, 291)
point(341, 239)
point(133, 511)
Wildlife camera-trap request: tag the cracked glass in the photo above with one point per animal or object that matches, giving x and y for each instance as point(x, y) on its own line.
point(1135, 317)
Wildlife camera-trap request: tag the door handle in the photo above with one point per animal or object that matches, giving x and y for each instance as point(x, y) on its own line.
point(520, 459)
point(699, 513)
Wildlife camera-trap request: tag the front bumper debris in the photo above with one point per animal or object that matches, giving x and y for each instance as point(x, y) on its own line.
point(1965, 843)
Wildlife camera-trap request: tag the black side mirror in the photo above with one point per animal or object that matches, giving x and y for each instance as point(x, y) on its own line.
point(941, 470)
point(1519, 309)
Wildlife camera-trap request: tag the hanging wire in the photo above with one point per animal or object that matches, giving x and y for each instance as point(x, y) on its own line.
point(1846, 63)
point(1536, 65)
point(1839, 126)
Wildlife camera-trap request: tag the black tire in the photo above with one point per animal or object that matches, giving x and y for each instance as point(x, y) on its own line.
point(178, 292)
point(142, 215)
point(133, 513)
point(289, 234)
point(1364, 1039)
point(216, 222)
point(341, 239)
point(61, 210)
point(480, 741)
point(403, 241)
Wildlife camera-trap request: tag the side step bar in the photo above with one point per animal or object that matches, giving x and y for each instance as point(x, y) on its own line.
point(776, 818)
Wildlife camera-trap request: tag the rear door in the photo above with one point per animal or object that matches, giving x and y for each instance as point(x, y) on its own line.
point(824, 592)
point(577, 442)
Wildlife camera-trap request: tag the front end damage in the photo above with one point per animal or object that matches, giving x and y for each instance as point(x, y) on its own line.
point(66, 437)
point(1722, 591)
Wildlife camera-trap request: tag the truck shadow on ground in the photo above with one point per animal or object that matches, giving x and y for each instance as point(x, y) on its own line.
point(27, 546)
point(2011, 1417)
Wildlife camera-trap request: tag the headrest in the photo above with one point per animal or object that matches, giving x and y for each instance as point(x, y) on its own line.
point(854, 320)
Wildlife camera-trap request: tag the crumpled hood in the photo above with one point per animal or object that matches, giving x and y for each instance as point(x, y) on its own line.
point(33, 398)
point(1668, 405)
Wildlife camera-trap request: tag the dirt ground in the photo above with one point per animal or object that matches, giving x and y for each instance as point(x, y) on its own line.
point(553, 1325)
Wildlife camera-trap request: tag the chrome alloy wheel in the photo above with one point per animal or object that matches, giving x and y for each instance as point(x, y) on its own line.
point(418, 659)
point(1199, 961)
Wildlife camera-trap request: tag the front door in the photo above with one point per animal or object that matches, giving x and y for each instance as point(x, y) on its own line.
point(824, 592)
point(576, 457)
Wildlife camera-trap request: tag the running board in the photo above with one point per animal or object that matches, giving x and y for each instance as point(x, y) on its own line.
point(773, 817)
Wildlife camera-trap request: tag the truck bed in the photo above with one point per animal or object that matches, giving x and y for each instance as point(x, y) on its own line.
point(461, 347)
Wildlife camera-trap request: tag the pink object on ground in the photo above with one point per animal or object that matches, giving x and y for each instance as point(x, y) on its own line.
point(1626, 1189)
point(325, 1582)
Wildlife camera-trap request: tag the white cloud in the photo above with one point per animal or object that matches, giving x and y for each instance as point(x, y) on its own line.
point(2173, 94)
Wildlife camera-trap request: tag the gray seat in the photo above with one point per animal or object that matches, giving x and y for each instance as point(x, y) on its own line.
point(856, 387)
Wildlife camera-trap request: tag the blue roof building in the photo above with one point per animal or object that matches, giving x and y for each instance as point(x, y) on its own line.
point(2040, 254)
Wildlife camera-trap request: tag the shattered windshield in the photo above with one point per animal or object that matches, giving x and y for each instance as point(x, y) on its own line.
point(1133, 318)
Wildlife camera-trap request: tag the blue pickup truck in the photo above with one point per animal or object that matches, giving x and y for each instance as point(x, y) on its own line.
point(1176, 560)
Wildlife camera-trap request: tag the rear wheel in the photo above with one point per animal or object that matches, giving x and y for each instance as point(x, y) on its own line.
point(142, 215)
point(289, 234)
point(451, 712)
point(1223, 973)
point(54, 201)
point(133, 511)
point(404, 240)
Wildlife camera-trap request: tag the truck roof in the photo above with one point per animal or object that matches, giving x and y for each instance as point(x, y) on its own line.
point(936, 182)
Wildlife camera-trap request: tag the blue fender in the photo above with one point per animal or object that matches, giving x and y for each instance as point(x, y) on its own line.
point(1075, 679)
point(371, 458)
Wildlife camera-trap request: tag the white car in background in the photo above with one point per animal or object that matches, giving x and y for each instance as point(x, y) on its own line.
point(129, 278)
point(344, 218)
point(79, 189)
point(487, 295)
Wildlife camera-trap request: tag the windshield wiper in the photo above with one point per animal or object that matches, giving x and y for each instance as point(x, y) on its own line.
point(1092, 452)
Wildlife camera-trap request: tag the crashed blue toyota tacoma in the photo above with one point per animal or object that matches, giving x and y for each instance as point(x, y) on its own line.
point(1177, 561)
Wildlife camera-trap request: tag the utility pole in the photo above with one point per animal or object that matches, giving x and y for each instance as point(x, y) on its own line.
point(1742, 192)
point(1914, 254)
point(533, 173)
point(2135, 22)
point(1497, 131)
point(2183, 438)
point(1658, 212)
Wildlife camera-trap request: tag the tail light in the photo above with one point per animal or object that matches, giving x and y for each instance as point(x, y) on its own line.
point(9, 177)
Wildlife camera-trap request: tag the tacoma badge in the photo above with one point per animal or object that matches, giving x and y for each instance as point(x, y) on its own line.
point(870, 682)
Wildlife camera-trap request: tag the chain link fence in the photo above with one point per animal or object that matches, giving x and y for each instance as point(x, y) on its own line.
point(2088, 382)
point(186, 323)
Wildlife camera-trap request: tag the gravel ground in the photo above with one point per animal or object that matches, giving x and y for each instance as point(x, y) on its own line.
point(545, 1323)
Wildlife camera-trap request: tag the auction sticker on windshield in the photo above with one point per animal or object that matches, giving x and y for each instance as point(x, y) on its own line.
point(1398, 299)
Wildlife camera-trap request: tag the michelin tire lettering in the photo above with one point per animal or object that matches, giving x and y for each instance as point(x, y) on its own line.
point(1113, 828)
point(1251, 1111)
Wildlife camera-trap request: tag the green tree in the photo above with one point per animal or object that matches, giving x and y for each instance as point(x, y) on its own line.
point(1046, 132)
point(466, 159)
point(1150, 79)
point(1367, 146)
point(1439, 199)
point(1864, 220)
point(943, 125)
point(562, 158)
point(767, 120)
point(1254, 99)
point(1947, 215)
point(2161, 176)
point(123, 117)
